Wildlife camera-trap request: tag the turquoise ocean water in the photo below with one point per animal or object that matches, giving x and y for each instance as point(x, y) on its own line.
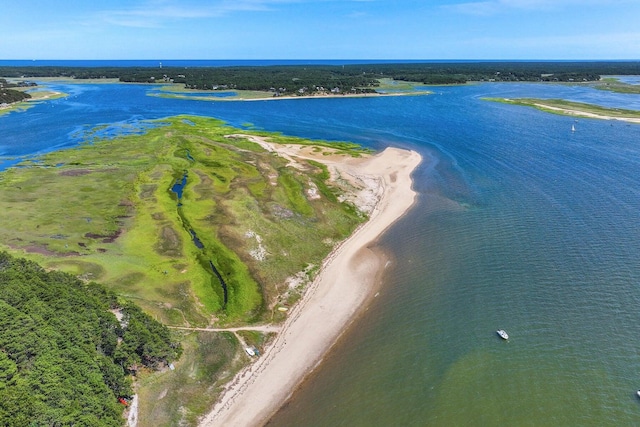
point(520, 224)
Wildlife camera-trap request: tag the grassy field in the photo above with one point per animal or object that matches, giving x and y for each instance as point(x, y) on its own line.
point(105, 212)
point(65, 80)
point(180, 396)
point(177, 91)
point(570, 108)
point(388, 84)
point(615, 85)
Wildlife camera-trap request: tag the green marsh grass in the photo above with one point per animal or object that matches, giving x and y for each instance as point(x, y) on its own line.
point(105, 212)
point(615, 85)
point(180, 396)
point(553, 106)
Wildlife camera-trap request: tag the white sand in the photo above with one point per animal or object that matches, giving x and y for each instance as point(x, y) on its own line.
point(586, 114)
point(347, 279)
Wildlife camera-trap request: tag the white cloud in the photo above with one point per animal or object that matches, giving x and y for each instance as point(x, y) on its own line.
point(491, 7)
point(155, 14)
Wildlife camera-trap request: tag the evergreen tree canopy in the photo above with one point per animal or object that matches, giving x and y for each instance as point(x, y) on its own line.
point(65, 359)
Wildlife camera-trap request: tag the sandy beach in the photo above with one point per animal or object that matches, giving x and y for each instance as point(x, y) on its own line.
point(586, 114)
point(349, 276)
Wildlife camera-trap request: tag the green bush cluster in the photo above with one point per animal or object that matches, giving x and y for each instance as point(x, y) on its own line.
point(9, 96)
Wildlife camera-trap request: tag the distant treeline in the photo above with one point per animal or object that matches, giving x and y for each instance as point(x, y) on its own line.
point(8, 96)
point(336, 78)
point(65, 358)
point(463, 72)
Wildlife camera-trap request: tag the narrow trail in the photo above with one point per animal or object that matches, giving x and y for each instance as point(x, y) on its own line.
point(234, 331)
point(258, 328)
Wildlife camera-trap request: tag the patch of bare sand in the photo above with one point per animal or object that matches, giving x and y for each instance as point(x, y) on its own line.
point(579, 113)
point(348, 278)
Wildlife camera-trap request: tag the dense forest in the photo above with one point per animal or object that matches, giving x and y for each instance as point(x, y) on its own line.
point(8, 96)
point(68, 348)
point(338, 79)
point(462, 72)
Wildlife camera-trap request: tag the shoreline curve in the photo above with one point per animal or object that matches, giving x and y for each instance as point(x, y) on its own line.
point(346, 280)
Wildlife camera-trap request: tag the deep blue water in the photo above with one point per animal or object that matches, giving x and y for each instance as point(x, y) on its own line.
point(521, 225)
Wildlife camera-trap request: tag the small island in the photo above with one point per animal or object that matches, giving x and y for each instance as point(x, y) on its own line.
point(574, 109)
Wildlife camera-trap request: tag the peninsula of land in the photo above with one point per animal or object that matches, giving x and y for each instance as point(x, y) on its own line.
point(219, 233)
point(349, 276)
point(574, 109)
point(28, 101)
point(247, 95)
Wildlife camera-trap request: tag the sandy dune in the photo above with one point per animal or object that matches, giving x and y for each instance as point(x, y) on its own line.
point(348, 277)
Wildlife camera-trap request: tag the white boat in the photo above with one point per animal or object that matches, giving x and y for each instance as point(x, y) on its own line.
point(638, 393)
point(503, 334)
point(250, 351)
point(573, 128)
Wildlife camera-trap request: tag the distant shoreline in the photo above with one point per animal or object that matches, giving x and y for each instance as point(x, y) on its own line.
point(30, 102)
point(573, 109)
point(214, 98)
point(167, 91)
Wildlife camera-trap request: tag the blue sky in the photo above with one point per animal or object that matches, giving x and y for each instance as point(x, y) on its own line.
point(320, 29)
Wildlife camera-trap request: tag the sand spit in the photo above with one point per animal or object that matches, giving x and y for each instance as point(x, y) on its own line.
point(349, 276)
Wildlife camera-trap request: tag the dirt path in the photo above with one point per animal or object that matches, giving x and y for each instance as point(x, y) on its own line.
point(348, 278)
point(258, 328)
point(132, 418)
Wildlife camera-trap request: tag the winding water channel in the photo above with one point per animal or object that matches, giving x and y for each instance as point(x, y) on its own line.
point(178, 188)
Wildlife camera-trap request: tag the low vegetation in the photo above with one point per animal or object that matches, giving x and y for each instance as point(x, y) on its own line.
point(615, 85)
point(178, 397)
point(105, 211)
point(571, 108)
